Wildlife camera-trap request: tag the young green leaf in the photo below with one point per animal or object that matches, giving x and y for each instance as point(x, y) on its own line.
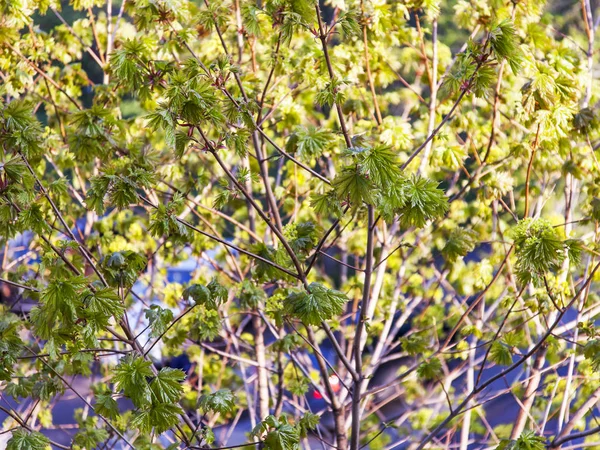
point(166, 386)
point(131, 376)
point(221, 401)
point(23, 439)
point(320, 304)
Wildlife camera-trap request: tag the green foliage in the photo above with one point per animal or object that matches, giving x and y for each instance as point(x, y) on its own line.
point(264, 271)
point(164, 221)
point(10, 345)
point(127, 63)
point(500, 354)
point(313, 307)
point(430, 370)
point(106, 405)
point(307, 422)
point(277, 434)
point(423, 202)
point(459, 243)
point(250, 295)
point(168, 170)
point(302, 236)
point(90, 435)
point(159, 318)
point(23, 439)
point(160, 417)
point(309, 142)
point(591, 351)
point(354, 187)
point(221, 401)
point(166, 386)
point(539, 249)
point(122, 268)
point(414, 344)
point(526, 441)
point(503, 42)
point(131, 377)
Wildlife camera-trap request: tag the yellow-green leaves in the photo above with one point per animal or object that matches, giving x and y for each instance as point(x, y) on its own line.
point(423, 201)
point(540, 250)
point(500, 354)
point(459, 243)
point(503, 41)
point(309, 142)
point(354, 187)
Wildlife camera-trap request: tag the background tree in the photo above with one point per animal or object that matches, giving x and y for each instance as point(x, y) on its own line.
point(391, 210)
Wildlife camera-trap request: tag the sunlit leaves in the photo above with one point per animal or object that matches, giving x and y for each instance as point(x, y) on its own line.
point(59, 302)
point(379, 164)
point(136, 152)
point(320, 304)
point(93, 122)
point(122, 268)
point(89, 435)
point(424, 201)
point(160, 417)
point(459, 243)
point(164, 221)
point(538, 249)
point(591, 351)
point(265, 271)
point(528, 440)
point(250, 295)
point(119, 185)
point(302, 236)
point(277, 434)
point(199, 293)
point(503, 42)
point(354, 187)
point(500, 354)
point(326, 204)
point(33, 219)
point(414, 344)
point(20, 130)
point(349, 21)
point(159, 318)
point(307, 423)
point(105, 302)
point(333, 93)
point(221, 401)
point(309, 142)
point(131, 377)
point(23, 439)
point(166, 386)
point(156, 398)
point(127, 63)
